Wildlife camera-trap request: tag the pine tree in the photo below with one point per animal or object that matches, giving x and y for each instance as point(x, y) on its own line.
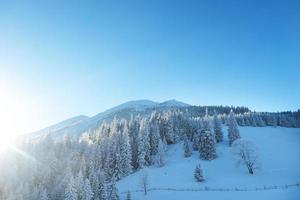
point(143, 145)
point(217, 128)
point(71, 190)
point(141, 162)
point(168, 122)
point(43, 195)
point(87, 193)
point(125, 153)
point(102, 187)
point(207, 147)
point(113, 191)
point(196, 138)
point(146, 143)
point(160, 157)
point(79, 181)
point(128, 196)
point(115, 168)
point(187, 148)
point(98, 184)
point(198, 174)
point(233, 131)
point(206, 122)
point(133, 129)
point(154, 133)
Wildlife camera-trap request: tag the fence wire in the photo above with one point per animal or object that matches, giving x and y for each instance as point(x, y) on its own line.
point(236, 189)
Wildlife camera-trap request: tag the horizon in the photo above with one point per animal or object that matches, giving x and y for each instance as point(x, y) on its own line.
point(89, 116)
point(64, 59)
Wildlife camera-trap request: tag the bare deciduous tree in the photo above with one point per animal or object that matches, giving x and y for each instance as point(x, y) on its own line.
point(144, 182)
point(246, 154)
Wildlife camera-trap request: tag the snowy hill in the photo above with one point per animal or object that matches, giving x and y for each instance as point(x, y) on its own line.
point(61, 125)
point(278, 167)
point(80, 124)
point(173, 103)
point(137, 105)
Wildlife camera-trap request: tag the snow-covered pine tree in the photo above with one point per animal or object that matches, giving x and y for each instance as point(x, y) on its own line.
point(141, 162)
point(242, 121)
point(133, 129)
point(115, 160)
point(125, 153)
point(186, 147)
point(79, 181)
point(98, 184)
point(43, 195)
point(71, 190)
point(259, 120)
point(233, 130)
point(198, 173)
point(273, 121)
point(217, 128)
point(102, 187)
point(112, 190)
point(160, 157)
point(206, 122)
point(143, 145)
point(207, 147)
point(154, 133)
point(196, 138)
point(168, 126)
point(128, 196)
point(87, 193)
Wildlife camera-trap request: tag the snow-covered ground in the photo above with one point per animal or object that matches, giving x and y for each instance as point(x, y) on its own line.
point(278, 150)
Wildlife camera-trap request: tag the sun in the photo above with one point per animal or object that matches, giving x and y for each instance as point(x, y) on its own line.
point(14, 116)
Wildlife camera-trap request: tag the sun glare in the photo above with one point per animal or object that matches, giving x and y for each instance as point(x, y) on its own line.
point(14, 116)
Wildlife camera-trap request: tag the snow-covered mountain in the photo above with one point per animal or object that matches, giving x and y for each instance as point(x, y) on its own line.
point(173, 103)
point(68, 123)
point(77, 125)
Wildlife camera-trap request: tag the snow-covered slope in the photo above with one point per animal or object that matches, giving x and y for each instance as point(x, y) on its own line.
point(278, 166)
point(78, 125)
point(61, 125)
point(138, 105)
point(173, 103)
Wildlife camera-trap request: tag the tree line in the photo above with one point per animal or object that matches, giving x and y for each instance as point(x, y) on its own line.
point(88, 168)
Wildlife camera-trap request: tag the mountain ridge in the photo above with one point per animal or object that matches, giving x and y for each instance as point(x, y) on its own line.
point(79, 124)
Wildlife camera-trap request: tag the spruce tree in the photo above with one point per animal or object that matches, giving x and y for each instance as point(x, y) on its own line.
point(160, 157)
point(128, 196)
point(196, 138)
point(233, 131)
point(207, 147)
point(154, 133)
point(198, 173)
point(79, 181)
point(217, 128)
point(125, 153)
point(43, 195)
point(168, 123)
point(87, 193)
point(141, 157)
point(99, 186)
point(113, 191)
point(186, 147)
point(206, 122)
point(71, 190)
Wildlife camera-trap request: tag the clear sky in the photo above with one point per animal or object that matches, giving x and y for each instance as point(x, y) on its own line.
point(59, 59)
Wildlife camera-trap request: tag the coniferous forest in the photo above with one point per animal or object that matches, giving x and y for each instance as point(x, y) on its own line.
point(88, 167)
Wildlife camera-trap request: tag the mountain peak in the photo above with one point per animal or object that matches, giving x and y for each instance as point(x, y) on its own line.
point(173, 103)
point(135, 104)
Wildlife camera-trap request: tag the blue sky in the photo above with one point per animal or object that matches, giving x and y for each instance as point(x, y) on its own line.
point(81, 57)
